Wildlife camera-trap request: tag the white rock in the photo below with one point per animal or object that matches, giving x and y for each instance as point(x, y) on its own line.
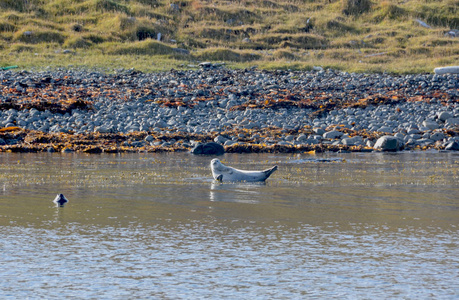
point(430, 124)
point(446, 70)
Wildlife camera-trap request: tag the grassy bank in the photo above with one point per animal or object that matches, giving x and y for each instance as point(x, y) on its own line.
point(149, 35)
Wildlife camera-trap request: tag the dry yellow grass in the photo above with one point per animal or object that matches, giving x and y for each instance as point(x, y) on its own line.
point(351, 35)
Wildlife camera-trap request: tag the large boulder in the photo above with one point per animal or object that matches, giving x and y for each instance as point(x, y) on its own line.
point(444, 115)
point(453, 146)
point(208, 149)
point(388, 143)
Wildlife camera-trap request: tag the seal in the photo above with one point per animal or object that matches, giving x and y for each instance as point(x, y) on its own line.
point(60, 200)
point(221, 172)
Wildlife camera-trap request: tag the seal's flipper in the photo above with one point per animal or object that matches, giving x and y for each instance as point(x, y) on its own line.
point(268, 172)
point(219, 178)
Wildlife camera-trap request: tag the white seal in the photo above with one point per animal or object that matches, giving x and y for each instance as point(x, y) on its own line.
point(221, 172)
point(60, 200)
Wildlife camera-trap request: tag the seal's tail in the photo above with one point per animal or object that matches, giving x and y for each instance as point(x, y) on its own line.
point(268, 172)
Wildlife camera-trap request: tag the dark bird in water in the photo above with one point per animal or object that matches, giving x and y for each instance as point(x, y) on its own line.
point(60, 200)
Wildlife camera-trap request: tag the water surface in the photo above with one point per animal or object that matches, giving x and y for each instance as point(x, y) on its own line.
point(156, 226)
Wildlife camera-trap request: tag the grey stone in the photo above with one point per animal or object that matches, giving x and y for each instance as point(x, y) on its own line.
point(399, 135)
point(333, 134)
point(426, 135)
point(444, 115)
point(430, 125)
point(289, 138)
point(388, 143)
point(319, 131)
point(453, 146)
point(425, 142)
point(208, 149)
point(160, 124)
point(370, 144)
point(436, 136)
point(138, 143)
point(230, 143)
point(311, 141)
point(102, 129)
point(386, 129)
point(220, 139)
point(301, 138)
point(352, 141)
point(149, 138)
point(452, 121)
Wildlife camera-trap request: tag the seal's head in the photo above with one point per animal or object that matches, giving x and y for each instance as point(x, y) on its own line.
point(60, 200)
point(217, 169)
point(216, 165)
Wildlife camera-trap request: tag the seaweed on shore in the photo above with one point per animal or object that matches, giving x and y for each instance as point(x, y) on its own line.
point(22, 140)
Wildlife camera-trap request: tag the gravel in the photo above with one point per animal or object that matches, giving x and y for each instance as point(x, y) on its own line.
point(418, 110)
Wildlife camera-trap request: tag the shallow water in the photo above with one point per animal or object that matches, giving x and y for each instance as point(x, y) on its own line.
point(156, 226)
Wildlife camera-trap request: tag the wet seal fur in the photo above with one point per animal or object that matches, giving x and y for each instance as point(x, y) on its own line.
point(60, 200)
point(222, 173)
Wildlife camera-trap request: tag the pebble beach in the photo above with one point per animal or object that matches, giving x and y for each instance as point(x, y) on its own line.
point(247, 110)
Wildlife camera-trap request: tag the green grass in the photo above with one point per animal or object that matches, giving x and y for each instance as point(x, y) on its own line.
point(284, 34)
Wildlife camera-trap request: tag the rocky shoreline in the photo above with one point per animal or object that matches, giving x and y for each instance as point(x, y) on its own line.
point(243, 110)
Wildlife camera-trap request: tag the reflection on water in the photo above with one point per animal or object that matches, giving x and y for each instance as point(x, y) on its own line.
point(156, 226)
point(237, 192)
